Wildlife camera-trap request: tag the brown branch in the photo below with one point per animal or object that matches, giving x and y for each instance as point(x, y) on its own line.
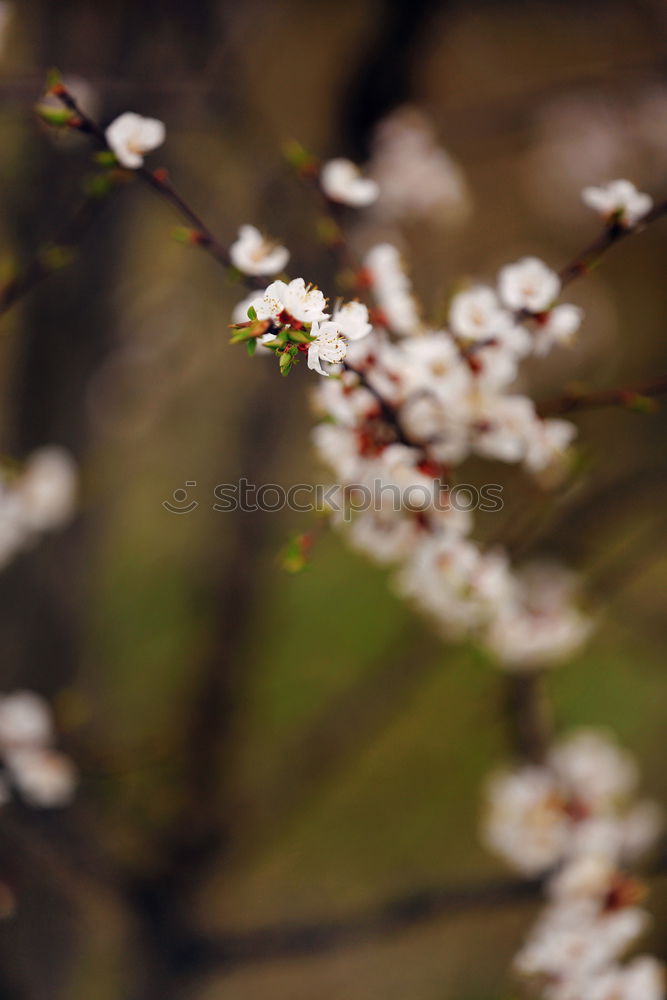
point(630, 397)
point(53, 256)
point(400, 913)
point(529, 725)
point(155, 179)
point(339, 735)
point(393, 916)
point(587, 258)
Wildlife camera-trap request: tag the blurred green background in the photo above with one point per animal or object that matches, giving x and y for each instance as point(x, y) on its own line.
point(258, 748)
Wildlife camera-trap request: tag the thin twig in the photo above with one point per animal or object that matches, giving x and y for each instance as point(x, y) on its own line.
point(54, 256)
point(630, 397)
point(587, 258)
point(529, 725)
point(155, 179)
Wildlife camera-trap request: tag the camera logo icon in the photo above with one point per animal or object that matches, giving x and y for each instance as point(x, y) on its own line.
point(179, 503)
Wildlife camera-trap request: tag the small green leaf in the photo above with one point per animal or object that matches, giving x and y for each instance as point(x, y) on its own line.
point(251, 347)
point(298, 156)
point(641, 404)
point(299, 337)
point(99, 186)
point(181, 234)
point(252, 313)
point(105, 158)
point(294, 558)
point(54, 258)
point(286, 362)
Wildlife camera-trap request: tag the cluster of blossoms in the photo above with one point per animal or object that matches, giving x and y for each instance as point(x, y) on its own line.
point(410, 406)
point(42, 776)
point(573, 821)
point(38, 498)
point(293, 318)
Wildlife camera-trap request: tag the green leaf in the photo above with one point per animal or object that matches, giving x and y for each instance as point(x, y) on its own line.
point(105, 158)
point(641, 404)
point(298, 156)
point(251, 347)
point(252, 313)
point(299, 337)
point(54, 258)
point(99, 186)
point(286, 362)
point(181, 234)
point(294, 558)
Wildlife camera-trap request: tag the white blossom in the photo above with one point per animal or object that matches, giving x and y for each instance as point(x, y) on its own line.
point(526, 823)
point(343, 182)
point(503, 424)
point(477, 314)
point(47, 489)
point(301, 302)
point(38, 498)
point(594, 769)
point(528, 285)
point(329, 345)
point(573, 809)
point(130, 137)
point(352, 320)
point(253, 254)
point(641, 979)
point(392, 289)
point(42, 776)
point(45, 778)
point(559, 326)
point(618, 201)
point(25, 720)
point(418, 179)
point(576, 939)
point(548, 443)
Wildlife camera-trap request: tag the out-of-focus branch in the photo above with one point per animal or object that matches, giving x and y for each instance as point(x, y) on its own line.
point(527, 715)
point(340, 734)
point(54, 256)
point(588, 258)
point(630, 397)
point(395, 915)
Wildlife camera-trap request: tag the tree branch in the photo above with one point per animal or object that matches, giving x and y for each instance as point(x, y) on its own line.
point(630, 397)
point(397, 914)
point(588, 258)
point(53, 256)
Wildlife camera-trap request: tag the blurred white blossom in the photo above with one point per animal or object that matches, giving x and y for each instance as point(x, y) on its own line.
point(38, 498)
point(253, 254)
point(42, 776)
point(529, 284)
point(618, 201)
point(131, 136)
point(342, 181)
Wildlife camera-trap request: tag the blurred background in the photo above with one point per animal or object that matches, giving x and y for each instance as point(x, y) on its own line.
point(260, 750)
